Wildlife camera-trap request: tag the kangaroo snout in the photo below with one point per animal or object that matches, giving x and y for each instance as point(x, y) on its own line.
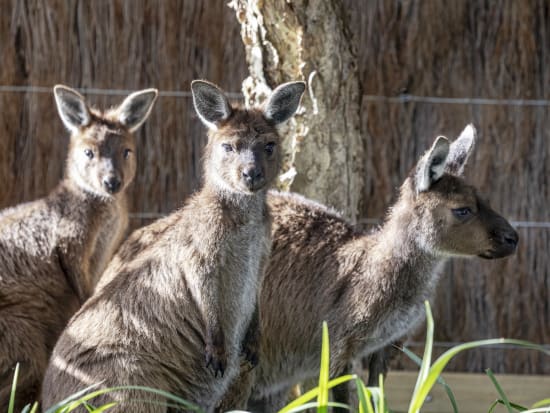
point(504, 243)
point(253, 177)
point(112, 184)
point(508, 238)
point(511, 238)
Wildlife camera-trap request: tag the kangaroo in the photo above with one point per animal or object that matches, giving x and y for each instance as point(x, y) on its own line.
point(53, 250)
point(369, 287)
point(177, 306)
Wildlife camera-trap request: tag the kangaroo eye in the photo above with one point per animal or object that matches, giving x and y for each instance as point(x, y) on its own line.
point(127, 153)
point(88, 153)
point(462, 213)
point(227, 147)
point(269, 147)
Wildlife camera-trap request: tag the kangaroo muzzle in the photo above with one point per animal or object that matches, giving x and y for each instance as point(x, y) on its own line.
point(504, 243)
point(112, 184)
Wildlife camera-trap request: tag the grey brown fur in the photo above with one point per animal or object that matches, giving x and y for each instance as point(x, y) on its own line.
point(369, 287)
point(176, 307)
point(53, 250)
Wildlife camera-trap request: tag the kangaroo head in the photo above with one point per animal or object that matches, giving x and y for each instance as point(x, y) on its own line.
point(451, 217)
point(101, 156)
point(243, 152)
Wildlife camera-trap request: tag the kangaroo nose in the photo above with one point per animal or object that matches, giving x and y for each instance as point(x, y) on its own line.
point(252, 174)
point(507, 237)
point(511, 238)
point(112, 184)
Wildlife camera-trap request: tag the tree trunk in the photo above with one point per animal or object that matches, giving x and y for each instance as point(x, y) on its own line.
point(299, 39)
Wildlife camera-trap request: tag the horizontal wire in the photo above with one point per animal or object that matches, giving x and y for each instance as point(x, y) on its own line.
point(111, 92)
point(530, 224)
point(403, 98)
point(406, 98)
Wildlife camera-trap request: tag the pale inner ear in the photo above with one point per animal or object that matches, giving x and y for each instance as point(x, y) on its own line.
point(136, 108)
point(211, 104)
point(432, 165)
point(460, 151)
point(284, 101)
point(437, 167)
point(72, 108)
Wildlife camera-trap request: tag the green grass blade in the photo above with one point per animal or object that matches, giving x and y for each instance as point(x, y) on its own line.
point(382, 398)
point(340, 406)
point(312, 405)
point(541, 403)
point(500, 391)
point(27, 408)
point(364, 396)
point(104, 407)
point(545, 409)
point(71, 398)
point(426, 360)
point(324, 372)
point(302, 407)
point(11, 403)
point(516, 406)
point(313, 393)
point(439, 380)
point(493, 406)
point(444, 359)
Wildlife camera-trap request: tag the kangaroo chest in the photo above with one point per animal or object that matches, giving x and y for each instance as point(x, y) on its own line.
point(242, 275)
point(405, 311)
point(395, 326)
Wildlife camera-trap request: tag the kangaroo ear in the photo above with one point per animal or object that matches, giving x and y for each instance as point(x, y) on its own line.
point(135, 109)
point(72, 108)
point(432, 165)
point(284, 101)
point(210, 102)
point(460, 151)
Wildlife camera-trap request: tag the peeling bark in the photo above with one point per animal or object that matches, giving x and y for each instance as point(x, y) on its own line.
point(290, 40)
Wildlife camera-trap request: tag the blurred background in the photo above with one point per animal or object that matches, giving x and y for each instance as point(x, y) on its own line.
point(423, 68)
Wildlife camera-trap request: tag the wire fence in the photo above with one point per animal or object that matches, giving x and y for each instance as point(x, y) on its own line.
point(402, 98)
point(105, 92)
point(406, 98)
